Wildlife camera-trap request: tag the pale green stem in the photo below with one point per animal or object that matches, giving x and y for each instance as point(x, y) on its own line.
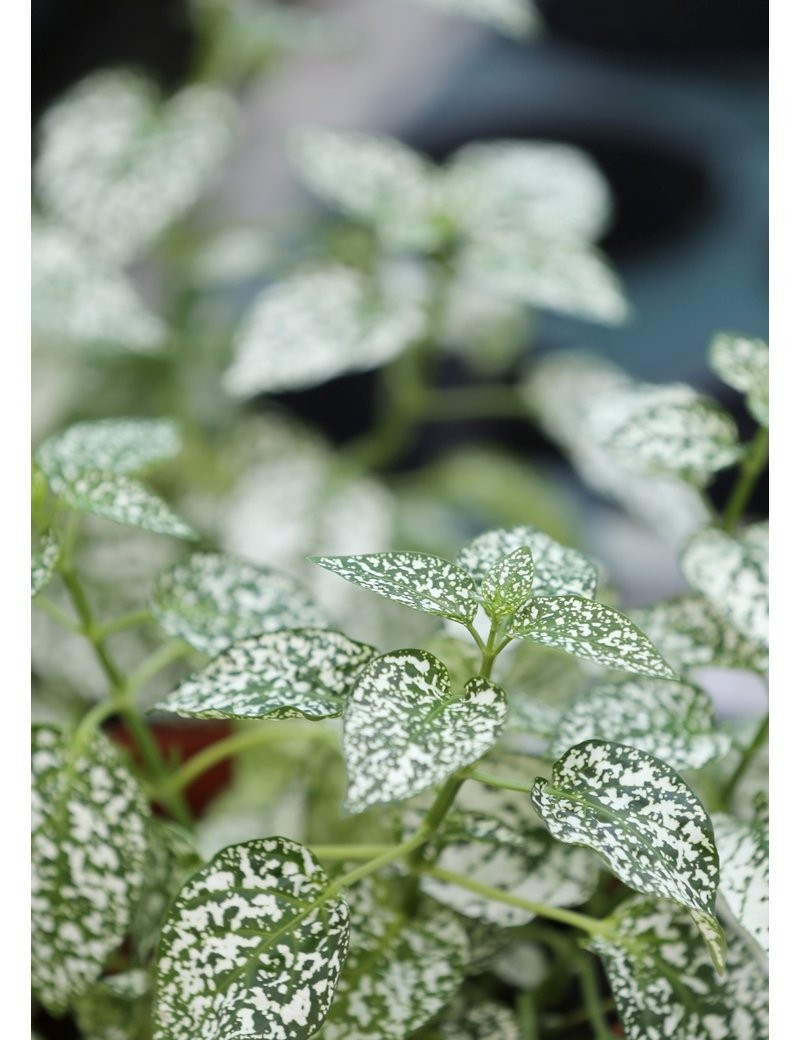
point(592, 999)
point(500, 782)
point(752, 464)
point(155, 663)
point(123, 623)
point(527, 1016)
point(345, 852)
point(748, 755)
point(57, 614)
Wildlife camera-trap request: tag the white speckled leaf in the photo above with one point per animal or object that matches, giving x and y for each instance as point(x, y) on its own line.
point(744, 873)
point(639, 815)
point(522, 964)
point(486, 1020)
point(115, 1008)
point(670, 720)
point(591, 631)
point(405, 730)
point(508, 584)
point(252, 947)
point(117, 165)
point(743, 363)
point(280, 675)
point(88, 853)
point(512, 17)
point(418, 580)
point(125, 501)
point(399, 973)
point(691, 634)
point(43, 562)
point(733, 575)
point(212, 600)
point(558, 570)
point(524, 861)
point(664, 987)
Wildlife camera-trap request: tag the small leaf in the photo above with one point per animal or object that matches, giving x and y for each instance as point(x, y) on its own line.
point(125, 501)
point(43, 562)
point(558, 570)
point(485, 1020)
point(733, 575)
point(639, 815)
point(669, 720)
point(508, 584)
point(253, 946)
point(417, 580)
point(115, 1008)
point(743, 363)
point(664, 987)
point(591, 631)
point(405, 730)
point(280, 675)
point(744, 873)
point(88, 854)
point(212, 600)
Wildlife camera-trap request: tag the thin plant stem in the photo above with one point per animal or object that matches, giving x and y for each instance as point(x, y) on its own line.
point(500, 782)
point(123, 623)
point(155, 663)
point(55, 613)
point(748, 755)
point(474, 402)
point(345, 852)
point(592, 999)
point(750, 470)
point(527, 1016)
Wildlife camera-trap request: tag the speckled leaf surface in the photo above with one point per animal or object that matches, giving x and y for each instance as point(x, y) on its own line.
point(664, 986)
point(280, 675)
point(405, 730)
point(744, 873)
point(508, 584)
point(212, 600)
point(252, 947)
point(399, 973)
point(557, 569)
point(512, 17)
point(43, 562)
point(418, 580)
point(115, 1008)
point(591, 631)
point(670, 720)
point(733, 575)
point(125, 501)
point(743, 363)
point(89, 845)
point(485, 1020)
point(691, 634)
point(639, 815)
point(524, 861)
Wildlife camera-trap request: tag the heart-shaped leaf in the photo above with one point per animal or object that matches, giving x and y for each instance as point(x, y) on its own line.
point(591, 631)
point(405, 730)
point(43, 562)
point(664, 986)
point(88, 853)
point(669, 720)
point(125, 501)
point(744, 873)
point(743, 363)
point(280, 675)
point(418, 580)
point(212, 600)
point(252, 947)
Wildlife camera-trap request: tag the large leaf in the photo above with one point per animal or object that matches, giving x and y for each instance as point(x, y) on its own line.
point(88, 854)
point(591, 631)
point(558, 570)
point(252, 947)
point(733, 575)
point(117, 165)
point(280, 675)
point(744, 873)
point(405, 729)
point(640, 816)
point(398, 972)
point(670, 720)
point(418, 580)
point(212, 600)
point(125, 501)
point(43, 562)
point(743, 363)
point(664, 987)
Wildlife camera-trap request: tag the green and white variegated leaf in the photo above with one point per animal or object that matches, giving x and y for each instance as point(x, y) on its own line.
point(670, 429)
point(115, 1008)
point(125, 501)
point(418, 580)
point(558, 570)
point(118, 166)
point(511, 17)
point(399, 973)
point(591, 631)
point(733, 575)
point(552, 273)
point(639, 815)
point(545, 189)
point(672, 721)
point(89, 846)
point(79, 299)
point(374, 179)
point(743, 363)
point(508, 584)
point(690, 634)
point(522, 964)
point(319, 324)
point(486, 1020)
point(526, 862)
point(297, 672)
point(405, 730)
point(744, 873)
point(43, 562)
point(122, 446)
point(213, 600)
point(664, 986)
point(252, 947)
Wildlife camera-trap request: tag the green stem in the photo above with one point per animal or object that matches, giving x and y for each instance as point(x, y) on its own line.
point(121, 624)
point(592, 999)
point(345, 852)
point(475, 402)
point(57, 614)
point(500, 782)
point(527, 1016)
point(155, 663)
point(748, 755)
point(752, 464)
